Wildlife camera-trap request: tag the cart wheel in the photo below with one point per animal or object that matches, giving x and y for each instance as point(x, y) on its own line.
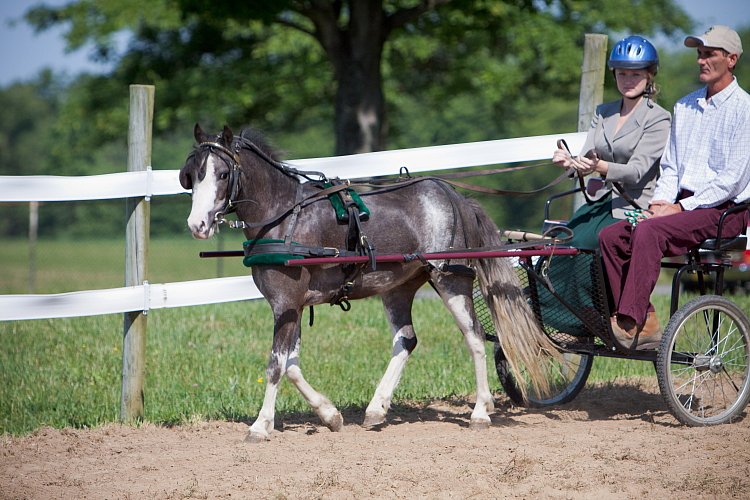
point(567, 381)
point(702, 364)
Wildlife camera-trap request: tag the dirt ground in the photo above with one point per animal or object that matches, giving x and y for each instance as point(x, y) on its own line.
point(614, 440)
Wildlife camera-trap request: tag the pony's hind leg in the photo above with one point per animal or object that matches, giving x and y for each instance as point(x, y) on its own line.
point(456, 293)
point(284, 360)
point(397, 304)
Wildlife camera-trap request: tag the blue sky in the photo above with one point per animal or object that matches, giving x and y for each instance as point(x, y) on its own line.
point(25, 53)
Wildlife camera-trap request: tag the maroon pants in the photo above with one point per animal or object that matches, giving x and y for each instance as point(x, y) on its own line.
point(632, 254)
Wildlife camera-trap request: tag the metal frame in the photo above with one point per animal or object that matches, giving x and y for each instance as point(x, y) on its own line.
point(693, 264)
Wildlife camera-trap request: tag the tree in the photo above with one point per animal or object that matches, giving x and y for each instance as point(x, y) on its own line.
point(353, 35)
point(463, 70)
point(447, 47)
point(28, 115)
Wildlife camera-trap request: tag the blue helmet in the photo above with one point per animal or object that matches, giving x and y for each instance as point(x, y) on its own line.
point(633, 52)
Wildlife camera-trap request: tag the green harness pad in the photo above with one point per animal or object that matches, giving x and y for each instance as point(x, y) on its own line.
point(279, 258)
point(267, 259)
point(342, 215)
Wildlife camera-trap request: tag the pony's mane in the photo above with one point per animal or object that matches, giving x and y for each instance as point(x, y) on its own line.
point(257, 138)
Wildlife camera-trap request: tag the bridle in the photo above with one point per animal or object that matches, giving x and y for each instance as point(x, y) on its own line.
point(232, 158)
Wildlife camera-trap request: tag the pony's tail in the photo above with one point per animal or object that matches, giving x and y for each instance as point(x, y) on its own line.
point(526, 346)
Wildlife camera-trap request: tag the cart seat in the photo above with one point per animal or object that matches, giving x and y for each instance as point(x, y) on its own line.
point(725, 244)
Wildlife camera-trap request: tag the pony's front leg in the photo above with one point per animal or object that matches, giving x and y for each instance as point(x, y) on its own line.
point(456, 292)
point(286, 331)
point(398, 311)
point(284, 360)
point(263, 425)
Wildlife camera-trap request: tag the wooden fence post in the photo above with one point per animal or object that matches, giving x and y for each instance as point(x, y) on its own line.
point(592, 86)
point(33, 236)
point(138, 220)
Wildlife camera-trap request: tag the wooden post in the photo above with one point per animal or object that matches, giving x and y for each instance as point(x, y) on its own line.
point(592, 87)
point(33, 235)
point(138, 216)
point(220, 262)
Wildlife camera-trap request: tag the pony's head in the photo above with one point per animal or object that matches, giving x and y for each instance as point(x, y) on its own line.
point(211, 171)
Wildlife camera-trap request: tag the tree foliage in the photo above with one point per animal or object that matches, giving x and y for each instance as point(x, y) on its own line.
point(448, 71)
point(213, 58)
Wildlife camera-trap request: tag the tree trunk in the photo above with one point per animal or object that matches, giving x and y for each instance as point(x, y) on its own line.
point(360, 103)
point(360, 107)
point(355, 51)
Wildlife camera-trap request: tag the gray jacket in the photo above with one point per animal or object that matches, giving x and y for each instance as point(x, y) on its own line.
point(633, 153)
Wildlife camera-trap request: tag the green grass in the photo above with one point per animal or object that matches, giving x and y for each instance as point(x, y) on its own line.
point(209, 362)
point(69, 265)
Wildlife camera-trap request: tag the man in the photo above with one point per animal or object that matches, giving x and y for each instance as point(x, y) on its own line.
point(705, 169)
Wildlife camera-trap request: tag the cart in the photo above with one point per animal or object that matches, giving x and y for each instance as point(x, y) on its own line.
point(703, 361)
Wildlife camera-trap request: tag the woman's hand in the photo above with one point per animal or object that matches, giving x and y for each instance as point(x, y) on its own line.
point(562, 158)
point(581, 165)
point(597, 164)
point(586, 166)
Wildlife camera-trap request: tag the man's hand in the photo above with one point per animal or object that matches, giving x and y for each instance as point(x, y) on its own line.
point(660, 208)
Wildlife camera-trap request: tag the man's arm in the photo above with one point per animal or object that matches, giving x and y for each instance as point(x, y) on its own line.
point(668, 185)
point(731, 171)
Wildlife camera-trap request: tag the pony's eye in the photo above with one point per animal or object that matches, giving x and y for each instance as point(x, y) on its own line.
point(224, 176)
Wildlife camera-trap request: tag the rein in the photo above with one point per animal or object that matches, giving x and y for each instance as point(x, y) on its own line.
point(378, 185)
point(357, 242)
point(561, 144)
point(483, 189)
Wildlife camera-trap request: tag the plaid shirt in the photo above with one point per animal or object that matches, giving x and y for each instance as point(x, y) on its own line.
point(708, 151)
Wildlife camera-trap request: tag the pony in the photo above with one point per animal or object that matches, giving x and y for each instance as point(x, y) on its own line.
point(420, 215)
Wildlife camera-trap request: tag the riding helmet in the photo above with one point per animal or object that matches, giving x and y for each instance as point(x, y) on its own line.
point(634, 52)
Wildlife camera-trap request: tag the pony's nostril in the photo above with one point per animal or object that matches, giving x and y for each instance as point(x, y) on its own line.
point(197, 227)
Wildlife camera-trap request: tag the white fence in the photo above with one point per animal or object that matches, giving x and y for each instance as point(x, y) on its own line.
point(165, 182)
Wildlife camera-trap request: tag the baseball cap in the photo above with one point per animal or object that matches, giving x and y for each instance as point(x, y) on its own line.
point(718, 36)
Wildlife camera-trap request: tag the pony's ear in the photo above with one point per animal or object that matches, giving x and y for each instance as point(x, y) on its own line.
point(227, 136)
point(199, 134)
point(185, 180)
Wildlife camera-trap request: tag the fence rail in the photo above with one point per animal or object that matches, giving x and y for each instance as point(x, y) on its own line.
point(141, 182)
point(165, 182)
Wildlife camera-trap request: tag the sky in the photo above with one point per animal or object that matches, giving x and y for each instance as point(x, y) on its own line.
point(25, 53)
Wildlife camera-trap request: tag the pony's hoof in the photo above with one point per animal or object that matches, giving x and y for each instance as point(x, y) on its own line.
point(336, 423)
point(479, 425)
point(372, 421)
point(256, 437)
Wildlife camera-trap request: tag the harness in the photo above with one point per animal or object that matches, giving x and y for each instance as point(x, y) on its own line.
point(349, 210)
point(347, 203)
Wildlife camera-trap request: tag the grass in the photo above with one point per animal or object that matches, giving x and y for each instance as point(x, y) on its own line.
point(208, 362)
point(69, 265)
